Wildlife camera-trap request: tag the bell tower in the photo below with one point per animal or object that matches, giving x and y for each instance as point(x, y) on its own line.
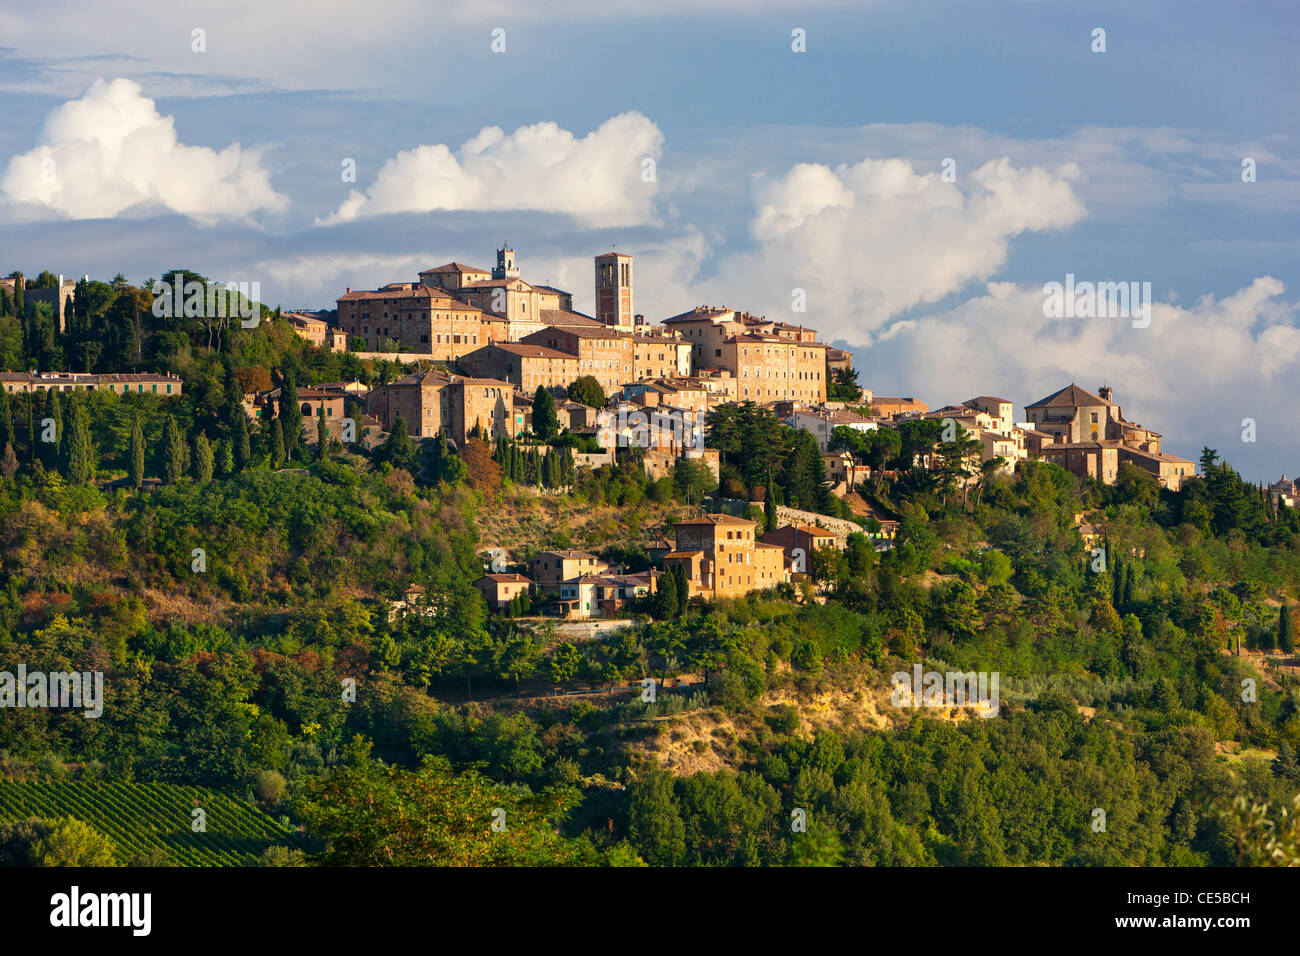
point(506, 268)
point(614, 290)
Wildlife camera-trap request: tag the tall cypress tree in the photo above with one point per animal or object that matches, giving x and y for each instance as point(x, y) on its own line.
point(665, 603)
point(53, 410)
point(322, 439)
point(1128, 584)
point(201, 459)
point(546, 423)
point(1285, 630)
point(136, 463)
point(243, 446)
point(79, 460)
point(223, 459)
point(683, 588)
point(290, 414)
point(277, 444)
point(31, 428)
point(7, 436)
point(173, 452)
point(769, 505)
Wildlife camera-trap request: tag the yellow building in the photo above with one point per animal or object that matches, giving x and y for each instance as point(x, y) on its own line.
point(723, 559)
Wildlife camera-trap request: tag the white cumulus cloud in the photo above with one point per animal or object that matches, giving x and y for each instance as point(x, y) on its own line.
point(111, 150)
point(870, 240)
point(596, 179)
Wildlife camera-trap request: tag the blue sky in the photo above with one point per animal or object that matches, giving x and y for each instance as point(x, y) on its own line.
point(775, 170)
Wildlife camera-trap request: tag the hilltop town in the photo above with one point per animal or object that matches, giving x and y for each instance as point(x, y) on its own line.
point(479, 347)
point(665, 579)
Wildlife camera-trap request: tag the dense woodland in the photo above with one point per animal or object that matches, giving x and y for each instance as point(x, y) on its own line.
point(1122, 668)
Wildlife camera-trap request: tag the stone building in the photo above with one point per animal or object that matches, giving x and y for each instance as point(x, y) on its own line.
point(604, 353)
point(408, 317)
point(434, 402)
point(527, 366)
point(499, 590)
point(122, 383)
point(722, 559)
point(502, 292)
point(60, 299)
point(769, 368)
point(551, 568)
point(1084, 422)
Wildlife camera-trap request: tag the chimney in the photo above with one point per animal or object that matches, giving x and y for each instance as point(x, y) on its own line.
point(1104, 392)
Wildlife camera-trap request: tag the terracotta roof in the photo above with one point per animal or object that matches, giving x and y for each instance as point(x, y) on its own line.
point(716, 519)
point(506, 579)
point(1081, 445)
point(1071, 396)
point(1157, 455)
point(700, 313)
point(419, 292)
point(426, 377)
point(454, 267)
point(988, 398)
point(564, 317)
point(525, 350)
point(597, 331)
point(495, 283)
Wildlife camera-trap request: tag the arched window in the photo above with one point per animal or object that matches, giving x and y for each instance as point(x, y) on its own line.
point(306, 410)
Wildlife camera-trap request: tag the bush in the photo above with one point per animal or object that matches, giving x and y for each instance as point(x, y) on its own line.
point(73, 843)
point(268, 786)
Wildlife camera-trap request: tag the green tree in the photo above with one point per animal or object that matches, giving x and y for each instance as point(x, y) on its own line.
point(1285, 630)
point(223, 458)
point(769, 506)
point(322, 439)
point(74, 843)
point(173, 452)
point(201, 459)
point(79, 456)
point(546, 424)
point(290, 414)
point(243, 446)
point(439, 464)
point(399, 450)
point(7, 434)
point(666, 603)
point(586, 390)
point(654, 823)
point(375, 815)
point(135, 468)
point(277, 444)
point(54, 412)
